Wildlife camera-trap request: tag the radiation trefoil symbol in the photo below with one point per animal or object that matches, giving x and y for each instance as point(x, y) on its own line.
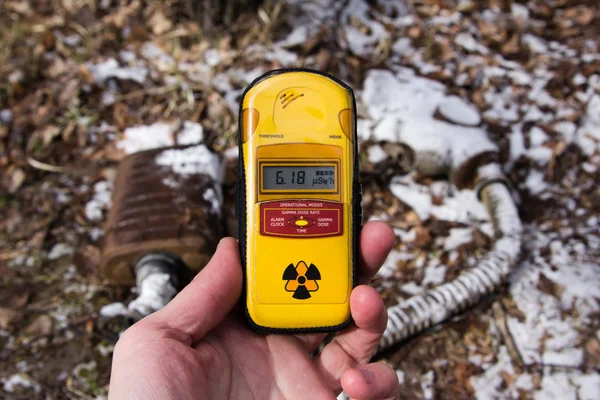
point(301, 280)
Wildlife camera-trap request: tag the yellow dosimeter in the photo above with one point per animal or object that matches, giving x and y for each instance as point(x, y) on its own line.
point(298, 201)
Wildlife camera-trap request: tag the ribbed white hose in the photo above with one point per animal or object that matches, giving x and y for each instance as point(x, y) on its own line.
point(420, 312)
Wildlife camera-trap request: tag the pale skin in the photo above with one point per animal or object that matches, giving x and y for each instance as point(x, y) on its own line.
point(199, 346)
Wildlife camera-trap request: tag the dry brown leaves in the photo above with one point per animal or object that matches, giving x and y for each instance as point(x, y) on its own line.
point(55, 100)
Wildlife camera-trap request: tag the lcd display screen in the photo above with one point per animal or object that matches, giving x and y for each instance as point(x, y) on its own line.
point(299, 177)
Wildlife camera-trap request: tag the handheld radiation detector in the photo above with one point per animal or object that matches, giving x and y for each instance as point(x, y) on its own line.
point(298, 201)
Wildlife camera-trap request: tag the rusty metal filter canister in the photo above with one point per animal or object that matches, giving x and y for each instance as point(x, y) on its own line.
point(167, 201)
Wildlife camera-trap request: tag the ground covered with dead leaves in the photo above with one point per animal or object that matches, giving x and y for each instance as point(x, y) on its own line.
point(84, 83)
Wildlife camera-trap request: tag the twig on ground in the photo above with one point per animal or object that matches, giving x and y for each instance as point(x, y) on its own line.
point(45, 167)
point(500, 321)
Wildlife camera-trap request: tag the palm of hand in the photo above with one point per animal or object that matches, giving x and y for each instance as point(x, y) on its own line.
point(207, 353)
point(230, 363)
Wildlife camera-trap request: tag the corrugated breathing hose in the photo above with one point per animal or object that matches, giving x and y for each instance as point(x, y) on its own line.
point(470, 162)
point(422, 311)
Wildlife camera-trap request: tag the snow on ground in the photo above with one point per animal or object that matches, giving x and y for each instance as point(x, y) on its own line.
point(225, 83)
point(389, 266)
point(59, 250)
point(460, 206)
point(113, 310)
point(194, 160)
point(588, 136)
point(556, 297)
point(458, 237)
point(459, 111)
point(555, 287)
point(573, 385)
point(191, 160)
point(100, 202)
point(111, 69)
point(146, 137)
point(19, 380)
point(6, 116)
point(363, 34)
point(419, 201)
point(376, 154)
point(192, 133)
point(403, 107)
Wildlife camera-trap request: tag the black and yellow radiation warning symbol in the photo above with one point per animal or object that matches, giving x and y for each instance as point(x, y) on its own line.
point(301, 280)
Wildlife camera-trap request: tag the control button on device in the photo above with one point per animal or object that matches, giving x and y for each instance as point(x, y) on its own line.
point(301, 221)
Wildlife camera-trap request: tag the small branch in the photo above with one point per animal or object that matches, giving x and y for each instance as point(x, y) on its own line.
point(500, 320)
point(79, 393)
point(45, 167)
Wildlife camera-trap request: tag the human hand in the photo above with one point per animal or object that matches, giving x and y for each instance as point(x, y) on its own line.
point(196, 347)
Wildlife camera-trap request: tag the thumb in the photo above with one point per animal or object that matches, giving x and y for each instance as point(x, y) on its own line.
point(202, 304)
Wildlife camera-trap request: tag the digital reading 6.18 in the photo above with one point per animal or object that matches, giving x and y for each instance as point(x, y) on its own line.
point(299, 177)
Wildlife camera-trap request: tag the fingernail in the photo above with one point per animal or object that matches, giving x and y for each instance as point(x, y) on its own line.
point(367, 374)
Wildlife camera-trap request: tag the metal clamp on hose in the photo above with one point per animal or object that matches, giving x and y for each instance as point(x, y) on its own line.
point(488, 174)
